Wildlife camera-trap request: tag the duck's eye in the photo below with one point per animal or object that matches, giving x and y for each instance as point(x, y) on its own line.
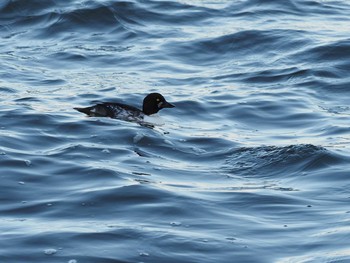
point(158, 100)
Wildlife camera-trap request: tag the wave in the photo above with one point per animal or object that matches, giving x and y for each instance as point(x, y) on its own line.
point(281, 162)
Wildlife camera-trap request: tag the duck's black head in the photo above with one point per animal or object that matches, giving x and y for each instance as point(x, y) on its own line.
point(154, 102)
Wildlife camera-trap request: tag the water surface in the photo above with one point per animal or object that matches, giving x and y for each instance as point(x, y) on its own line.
point(251, 166)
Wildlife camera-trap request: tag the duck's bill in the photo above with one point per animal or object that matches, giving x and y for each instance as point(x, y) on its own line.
point(167, 105)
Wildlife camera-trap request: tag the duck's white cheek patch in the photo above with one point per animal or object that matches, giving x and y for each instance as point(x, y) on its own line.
point(160, 104)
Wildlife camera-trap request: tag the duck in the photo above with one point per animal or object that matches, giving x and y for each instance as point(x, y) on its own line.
point(152, 104)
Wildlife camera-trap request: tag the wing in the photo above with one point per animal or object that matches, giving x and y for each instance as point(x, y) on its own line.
point(112, 110)
point(98, 110)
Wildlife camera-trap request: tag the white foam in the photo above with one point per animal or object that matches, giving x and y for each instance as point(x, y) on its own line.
point(50, 251)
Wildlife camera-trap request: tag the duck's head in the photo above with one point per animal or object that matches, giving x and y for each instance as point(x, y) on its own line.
point(154, 102)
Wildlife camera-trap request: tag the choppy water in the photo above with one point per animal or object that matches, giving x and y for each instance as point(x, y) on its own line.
point(252, 165)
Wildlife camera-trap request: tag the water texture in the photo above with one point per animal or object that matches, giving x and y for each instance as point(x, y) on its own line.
point(252, 165)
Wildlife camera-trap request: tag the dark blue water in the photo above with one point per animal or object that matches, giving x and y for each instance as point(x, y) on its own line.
point(253, 164)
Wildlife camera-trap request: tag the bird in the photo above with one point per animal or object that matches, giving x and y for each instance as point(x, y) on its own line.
point(152, 104)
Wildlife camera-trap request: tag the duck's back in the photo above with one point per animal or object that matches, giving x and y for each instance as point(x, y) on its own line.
point(113, 110)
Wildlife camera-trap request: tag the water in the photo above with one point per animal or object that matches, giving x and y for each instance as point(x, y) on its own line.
point(251, 166)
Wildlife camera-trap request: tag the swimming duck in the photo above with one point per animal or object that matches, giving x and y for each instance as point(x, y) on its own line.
point(152, 103)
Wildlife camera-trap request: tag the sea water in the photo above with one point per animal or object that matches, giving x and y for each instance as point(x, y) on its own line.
point(252, 164)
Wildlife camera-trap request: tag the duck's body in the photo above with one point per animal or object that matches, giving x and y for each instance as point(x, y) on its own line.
point(152, 103)
point(113, 110)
